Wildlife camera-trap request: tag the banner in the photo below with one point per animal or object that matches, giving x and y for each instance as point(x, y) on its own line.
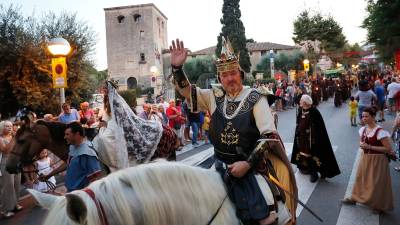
point(59, 72)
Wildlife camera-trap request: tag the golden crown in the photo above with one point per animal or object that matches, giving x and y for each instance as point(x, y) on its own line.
point(228, 60)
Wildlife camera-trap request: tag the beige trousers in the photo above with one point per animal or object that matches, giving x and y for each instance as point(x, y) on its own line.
point(9, 187)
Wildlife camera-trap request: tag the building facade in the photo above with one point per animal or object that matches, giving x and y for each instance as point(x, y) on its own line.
point(136, 36)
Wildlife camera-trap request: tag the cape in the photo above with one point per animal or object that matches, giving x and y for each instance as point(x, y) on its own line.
point(321, 148)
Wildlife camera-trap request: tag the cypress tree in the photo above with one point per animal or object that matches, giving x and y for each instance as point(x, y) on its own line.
point(232, 28)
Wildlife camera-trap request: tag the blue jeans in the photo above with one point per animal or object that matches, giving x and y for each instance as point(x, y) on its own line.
point(195, 131)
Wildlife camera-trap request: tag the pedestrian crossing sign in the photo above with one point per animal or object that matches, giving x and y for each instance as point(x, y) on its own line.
point(59, 72)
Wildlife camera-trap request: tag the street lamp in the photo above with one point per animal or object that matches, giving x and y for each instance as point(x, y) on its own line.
point(154, 79)
point(271, 58)
point(59, 48)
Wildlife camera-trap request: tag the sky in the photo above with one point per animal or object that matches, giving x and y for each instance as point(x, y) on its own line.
point(197, 22)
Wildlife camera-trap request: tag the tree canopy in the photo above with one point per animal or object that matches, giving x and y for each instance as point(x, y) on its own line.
point(232, 28)
point(25, 73)
point(383, 26)
point(283, 62)
point(198, 66)
point(316, 27)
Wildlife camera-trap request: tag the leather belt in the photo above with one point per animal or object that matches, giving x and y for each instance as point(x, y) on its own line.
point(368, 151)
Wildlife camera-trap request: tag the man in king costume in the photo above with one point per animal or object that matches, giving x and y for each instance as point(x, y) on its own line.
point(248, 150)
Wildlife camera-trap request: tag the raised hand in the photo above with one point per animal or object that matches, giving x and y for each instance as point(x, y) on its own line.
point(178, 53)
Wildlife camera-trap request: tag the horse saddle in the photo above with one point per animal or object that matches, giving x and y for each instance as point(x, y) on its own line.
point(246, 194)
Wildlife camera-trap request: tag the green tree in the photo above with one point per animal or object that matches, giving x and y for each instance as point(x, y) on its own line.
point(283, 62)
point(129, 96)
point(316, 27)
point(204, 79)
point(383, 26)
point(97, 78)
point(25, 73)
point(232, 28)
point(195, 67)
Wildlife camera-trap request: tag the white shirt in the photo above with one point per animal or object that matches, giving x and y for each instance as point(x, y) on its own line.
point(261, 111)
point(381, 134)
point(393, 88)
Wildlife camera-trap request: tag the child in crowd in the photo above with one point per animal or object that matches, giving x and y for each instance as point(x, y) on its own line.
point(44, 166)
point(353, 105)
point(206, 126)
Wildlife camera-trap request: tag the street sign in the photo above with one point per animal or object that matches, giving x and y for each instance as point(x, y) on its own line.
point(59, 72)
point(153, 81)
point(306, 67)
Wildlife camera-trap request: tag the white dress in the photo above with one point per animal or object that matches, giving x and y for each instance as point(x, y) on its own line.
point(110, 152)
point(44, 167)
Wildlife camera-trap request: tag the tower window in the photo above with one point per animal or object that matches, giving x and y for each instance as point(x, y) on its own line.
point(120, 18)
point(142, 58)
point(137, 18)
point(142, 34)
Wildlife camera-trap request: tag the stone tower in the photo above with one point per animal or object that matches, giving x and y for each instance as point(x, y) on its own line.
point(136, 36)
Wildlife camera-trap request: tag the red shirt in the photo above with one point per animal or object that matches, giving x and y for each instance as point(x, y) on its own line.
point(170, 112)
point(89, 115)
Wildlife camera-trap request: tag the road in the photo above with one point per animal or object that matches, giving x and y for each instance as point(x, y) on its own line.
point(322, 197)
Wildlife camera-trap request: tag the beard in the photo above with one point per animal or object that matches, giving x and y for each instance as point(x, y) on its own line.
point(233, 87)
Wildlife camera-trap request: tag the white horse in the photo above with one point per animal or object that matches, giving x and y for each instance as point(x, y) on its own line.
point(161, 193)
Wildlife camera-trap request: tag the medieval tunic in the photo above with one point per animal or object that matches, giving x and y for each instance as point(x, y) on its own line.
point(373, 186)
point(235, 134)
point(303, 130)
point(311, 138)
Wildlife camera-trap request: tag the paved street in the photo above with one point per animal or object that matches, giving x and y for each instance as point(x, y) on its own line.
point(322, 197)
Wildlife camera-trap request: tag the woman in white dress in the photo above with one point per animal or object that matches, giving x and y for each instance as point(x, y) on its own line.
point(44, 166)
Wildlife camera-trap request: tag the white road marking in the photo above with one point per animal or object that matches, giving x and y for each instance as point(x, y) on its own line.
point(356, 214)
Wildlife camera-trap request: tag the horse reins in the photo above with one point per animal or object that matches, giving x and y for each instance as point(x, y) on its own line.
point(98, 204)
point(216, 212)
point(49, 184)
point(103, 217)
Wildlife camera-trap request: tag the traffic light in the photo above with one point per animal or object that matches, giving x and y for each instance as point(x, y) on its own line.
point(59, 72)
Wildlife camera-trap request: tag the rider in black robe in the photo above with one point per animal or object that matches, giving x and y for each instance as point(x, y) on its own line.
point(312, 150)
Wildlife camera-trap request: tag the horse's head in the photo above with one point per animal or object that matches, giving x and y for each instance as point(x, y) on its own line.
point(74, 210)
point(29, 140)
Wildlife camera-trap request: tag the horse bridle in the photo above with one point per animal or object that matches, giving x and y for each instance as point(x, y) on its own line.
point(103, 217)
point(34, 158)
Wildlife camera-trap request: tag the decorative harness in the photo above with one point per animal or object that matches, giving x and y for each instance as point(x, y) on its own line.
point(103, 217)
point(98, 204)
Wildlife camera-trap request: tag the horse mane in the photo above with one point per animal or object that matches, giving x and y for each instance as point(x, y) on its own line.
point(158, 193)
point(57, 129)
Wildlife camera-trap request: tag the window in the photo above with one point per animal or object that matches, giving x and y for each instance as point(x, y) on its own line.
point(159, 27)
point(142, 34)
point(120, 18)
point(142, 58)
point(137, 18)
point(263, 52)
